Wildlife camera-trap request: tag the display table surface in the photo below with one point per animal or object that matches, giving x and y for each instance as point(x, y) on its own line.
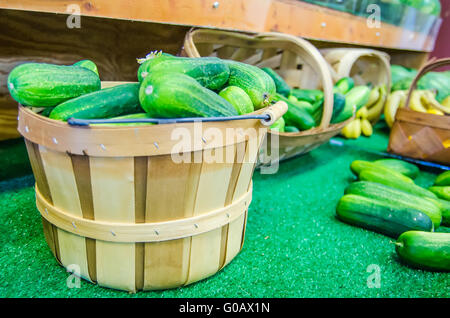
point(294, 245)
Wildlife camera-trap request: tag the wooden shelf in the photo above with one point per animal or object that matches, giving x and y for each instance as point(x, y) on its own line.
point(286, 16)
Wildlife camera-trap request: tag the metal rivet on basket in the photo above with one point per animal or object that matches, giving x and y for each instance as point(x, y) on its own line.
point(73, 223)
point(204, 140)
point(26, 129)
point(54, 140)
point(46, 211)
point(216, 4)
point(156, 232)
point(228, 215)
point(156, 145)
point(196, 225)
point(114, 234)
point(324, 24)
point(102, 146)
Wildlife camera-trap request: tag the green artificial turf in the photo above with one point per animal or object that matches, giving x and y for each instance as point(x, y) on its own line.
point(294, 245)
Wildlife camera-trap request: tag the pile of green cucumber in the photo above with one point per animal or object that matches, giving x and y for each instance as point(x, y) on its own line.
point(168, 87)
point(385, 199)
point(305, 106)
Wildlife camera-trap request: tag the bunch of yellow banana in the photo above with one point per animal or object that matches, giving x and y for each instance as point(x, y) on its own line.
point(365, 116)
point(421, 101)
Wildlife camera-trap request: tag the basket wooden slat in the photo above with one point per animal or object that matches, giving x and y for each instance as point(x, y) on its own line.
point(295, 59)
point(97, 208)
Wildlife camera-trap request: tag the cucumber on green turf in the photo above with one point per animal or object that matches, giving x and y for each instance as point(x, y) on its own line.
point(359, 165)
point(442, 192)
point(88, 64)
point(238, 98)
point(254, 81)
point(307, 95)
point(210, 72)
point(380, 216)
point(344, 85)
point(425, 250)
point(356, 98)
point(291, 129)
point(281, 86)
point(278, 125)
point(403, 167)
point(390, 180)
point(443, 179)
point(176, 95)
point(106, 103)
point(47, 85)
point(400, 198)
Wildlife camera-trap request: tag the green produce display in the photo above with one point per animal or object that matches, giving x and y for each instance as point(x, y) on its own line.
point(442, 192)
point(106, 103)
point(281, 86)
point(400, 166)
point(238, 98)
point(344, 85)
point(356, 98)
point(210, 72)
point(307, 95)
point(425, 250)
point(381, 216)
point(445, 210)
point(46, 85)
point(398, 197)
point(150, 61)
point(254, 81)
point(432, 7)
point(296, 114)
point(443, 179)
point(174, 95)
point(357, 166)
point(87, 64)
point(291, 129)
point(389, 180)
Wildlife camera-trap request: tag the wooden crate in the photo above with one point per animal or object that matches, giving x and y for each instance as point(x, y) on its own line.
point(116, 203)
point(296, 60)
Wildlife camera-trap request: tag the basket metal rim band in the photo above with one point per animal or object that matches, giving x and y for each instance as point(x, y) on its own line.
point(143, 232)
point(150, 140)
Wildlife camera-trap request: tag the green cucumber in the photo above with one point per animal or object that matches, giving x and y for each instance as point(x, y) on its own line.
point(106, 103)
point(443, 179)
point(291, 129)
point(47, 85)
point(442, 192)
point(445, 210)
point(150, 61)
point(131, 116)
point(254, 81)
point(280, 85)
point(47, 111)
point(278, 125)
point(381, 217)
point(88, 64)
point(338, 107)
point(307, 95)
point(403, 167)
point(238, 98)
point(398, 197)
point(210, 72)
point(425, 250)
point(176, 95)
point(359, 165)
point(356, 98)
point(344, 85)
point(390, 180)
point(296, 115)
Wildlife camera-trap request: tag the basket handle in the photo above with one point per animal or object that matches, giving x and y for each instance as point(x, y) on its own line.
point(432, 64)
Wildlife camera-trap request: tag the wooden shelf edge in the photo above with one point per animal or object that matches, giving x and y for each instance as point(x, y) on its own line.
point(286, 16)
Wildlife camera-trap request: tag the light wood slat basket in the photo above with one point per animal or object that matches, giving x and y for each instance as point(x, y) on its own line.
point(295, 59)
point(116, 203)
point(421, 135)
point(363, 65)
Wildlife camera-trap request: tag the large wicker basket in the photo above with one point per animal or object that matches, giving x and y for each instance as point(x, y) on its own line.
point(296, 60)
point(116, 204)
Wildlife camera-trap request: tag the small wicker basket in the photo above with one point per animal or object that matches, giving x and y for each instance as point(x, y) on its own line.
point(295, 59)
point(421, 135)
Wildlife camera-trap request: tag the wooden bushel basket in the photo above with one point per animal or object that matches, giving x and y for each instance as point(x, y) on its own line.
point(296, 60)
point(116, 205)
point(421, 135)
point(363, 65)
